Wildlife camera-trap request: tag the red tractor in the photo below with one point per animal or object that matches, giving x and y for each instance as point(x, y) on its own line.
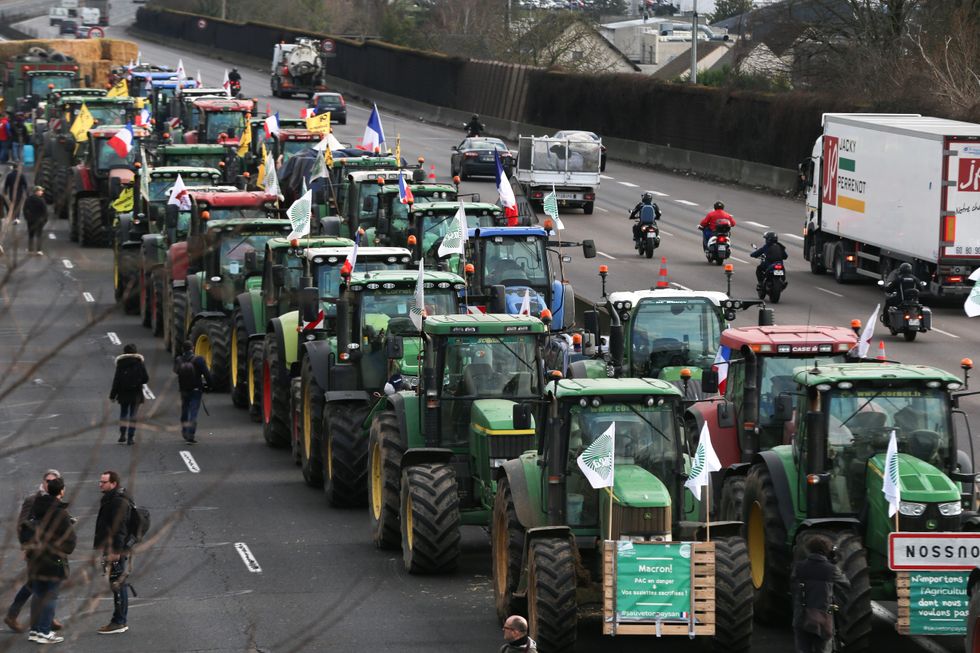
point(213, 120)
point(289, 141)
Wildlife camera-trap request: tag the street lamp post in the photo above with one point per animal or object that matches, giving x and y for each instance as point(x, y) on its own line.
point(694, 44)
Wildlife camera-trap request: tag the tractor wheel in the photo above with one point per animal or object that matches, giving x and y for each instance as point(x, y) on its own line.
point(852, 621)
point(168, 303)
point(73, 223)
point(296, 420)
point(61, 190)
point(128, 280)
point(430, 519)
point(385, 450)
point(311, 423)
point(210, 339)
point(275, 396)
point(551, 606)
point(973, 623)
point(157, 319)
point(92, 231)
point(146, 318)
point(238, 366)
point(769, 555)
point(732, 499)
point(255, 380)
point(507, 547)
point(345, 456)
point(42, 178)
point(733, 596)
point(178, 321)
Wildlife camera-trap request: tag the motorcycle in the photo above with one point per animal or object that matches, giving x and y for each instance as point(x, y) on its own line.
point(908, 317)
point(649, 239)
point(774, 281)
point(235, 87)
point(472, 132)
point(719, 246)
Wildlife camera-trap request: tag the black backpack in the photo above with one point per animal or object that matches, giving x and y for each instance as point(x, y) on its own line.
point(187, 375)
point(137, 524)
point(27, 530)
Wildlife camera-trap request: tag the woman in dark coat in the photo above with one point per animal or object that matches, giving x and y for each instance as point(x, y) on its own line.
point(47, 559)
point(127, 389)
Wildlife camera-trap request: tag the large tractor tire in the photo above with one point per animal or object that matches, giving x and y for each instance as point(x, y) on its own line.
point(430, 519)
point(732, 499)
point(385, 451)
point(275, 396)
point(255, 380)
point(211, 339)
point(552, 609)
point(127, 280)
point(92, 231)
point(42, 177)
point(345, 456)
point(733, 596)
point(311, 426)
point(73, 223)
point(769, 554)
point(852, 621)
point(178, 321)
point(59, 189)
point(157, 315)
point(146, 290)
point(973, 623)
point(507, 548)
point(238, 366)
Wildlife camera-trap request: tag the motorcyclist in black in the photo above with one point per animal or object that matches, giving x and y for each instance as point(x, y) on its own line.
point(772, 251)
point(643, 217)
point(901, 286)
point(474, 127)
point(234, 75)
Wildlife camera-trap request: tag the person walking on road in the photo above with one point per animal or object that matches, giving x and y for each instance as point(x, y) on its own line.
point(36, 215)
point(110, 539)
point(4, 138)
point(14, 191)
point(815, 581)
point(24, 594)
point(19, 137)
point(516, 639)
point(193, 378)
point(47, 559)
point(127, 389)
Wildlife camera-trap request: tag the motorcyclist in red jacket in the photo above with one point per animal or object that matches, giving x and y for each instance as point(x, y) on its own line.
point(707, 225)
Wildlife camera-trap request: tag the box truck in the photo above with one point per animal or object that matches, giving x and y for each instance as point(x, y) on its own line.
point(883, 189)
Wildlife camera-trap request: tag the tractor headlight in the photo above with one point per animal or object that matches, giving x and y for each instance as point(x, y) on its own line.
point(911, 509)
point(951, 509)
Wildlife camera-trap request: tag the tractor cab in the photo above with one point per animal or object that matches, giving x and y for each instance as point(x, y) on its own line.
point(213, 120)
point(259, 137)
point(394, 214)
point(430, 223)
point(222, 157)
point(289, 141)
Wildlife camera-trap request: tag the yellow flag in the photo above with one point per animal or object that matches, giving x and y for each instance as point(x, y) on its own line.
point(328, 157)
point(121, 89)
point(260, 175)
point(83, 123)
point(245, 142)
point(319, 124)
point(124, 203)
point(398, 148)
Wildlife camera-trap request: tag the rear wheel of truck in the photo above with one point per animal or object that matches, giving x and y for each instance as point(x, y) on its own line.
point(733, 596)
point(552, 608)
point(588, 208)
point(92, 230)
point(275, 396)
point(840, 276)
point(311, 432)
point(769, 555)
point(210, 339)
point(429, 519)
point(345, 456)
point(385, 451)
point(238, 366)
point(507, 552)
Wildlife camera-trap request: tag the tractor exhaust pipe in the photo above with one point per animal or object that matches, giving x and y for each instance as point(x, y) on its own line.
point(750, 415)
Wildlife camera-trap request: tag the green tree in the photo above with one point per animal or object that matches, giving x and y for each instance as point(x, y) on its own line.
point(728, 8)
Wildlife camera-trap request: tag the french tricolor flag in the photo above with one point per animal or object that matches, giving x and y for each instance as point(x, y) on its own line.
point(348, 267)
point(122, 141)
point(271, 125)
point(404, 192)
point(720, 365)
point(143, 117)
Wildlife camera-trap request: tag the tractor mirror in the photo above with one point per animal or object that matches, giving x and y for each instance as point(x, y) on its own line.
point(309, 297)
point(279, 275)
point(766, 317)
point(588, 248)
point(115, 185)
point(521, 420)
point(591, 321)
point(418, 175)
point(251, 261)
point(498, 299)
point(394, 347)
point(709, 382)
point(783, 410)
point(382, 226)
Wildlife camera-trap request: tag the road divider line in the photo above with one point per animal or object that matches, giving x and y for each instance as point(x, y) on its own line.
point(829, 292)
point(113, 338)
point(627, 184)
point(148, 394)
point(191, 463)
point(599, 208)
point(605, 177)
point(68, 264)
point(657, 193)
point(757, 224)
point(946, 333)
point(794, 236)
point(686, 202)
point(88, 297)
point(735, 258)
point(606, 255)
point(666, 233)
point(250, 562)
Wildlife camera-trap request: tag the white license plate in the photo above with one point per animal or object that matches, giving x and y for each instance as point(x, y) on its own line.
point(779, 273)
point(913, 322)
point(722, 248)
point(651, 234)
point(568, 196)
point(486, 158)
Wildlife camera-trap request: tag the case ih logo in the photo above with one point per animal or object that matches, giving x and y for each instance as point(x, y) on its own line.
point(830, 165)
point(969, 180)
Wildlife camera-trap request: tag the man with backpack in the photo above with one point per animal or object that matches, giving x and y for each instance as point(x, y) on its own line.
point(193, 378)
point(112, 538)
point(646, 213)
point(52, 541)
point(815, 581)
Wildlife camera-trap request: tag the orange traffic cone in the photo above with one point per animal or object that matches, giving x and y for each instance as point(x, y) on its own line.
point(662, 281)
point(432, 173)
point(881, 351)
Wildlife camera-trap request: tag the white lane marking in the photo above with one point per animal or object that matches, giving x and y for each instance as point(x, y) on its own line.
point(599, 208)
point(191, 463)
point(605, 177)
point(627, 184)
point(686, 202)
point(148, 394)
point(88, 297)
point(68, 264)
point(680, 287)
point(113, 338)
point(829, 292)
point(250, 562)
point(606, 255)
point(945, 333)
point(757, 224)
point(657, 193)
point(885, 614)
point(794, 236)
point(735, 258)
point(51, 236)
point(666, 233)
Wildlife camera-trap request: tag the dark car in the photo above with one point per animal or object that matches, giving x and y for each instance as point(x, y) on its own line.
point(474, 157)
point(68, 27)
point(332, 102)
point(578, 135)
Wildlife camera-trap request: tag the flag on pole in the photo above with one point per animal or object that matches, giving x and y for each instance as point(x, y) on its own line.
point(318, 124)
point(319, 168)
point(864, 342)
point(348, 267)
point(200, 84)
point(119, 89)
point(83, 122)
point(417, 309)
point(506, 193)
point(720, 365)
point(181, 76)
point(374, 133)
point(891, 485)
point(148, 85)
point(404, 192)
point(551, 207)
point(705, 461)
point(260, 173)
point(245, 142)
point(122, 141)
point(455, 238)
point(972, 305)
point(179, 195)
point(299, 216)
point(271, 180)
point(226, 83)
point(271, 125)
point(525, 303)
point(597, 461)
point(143, 118)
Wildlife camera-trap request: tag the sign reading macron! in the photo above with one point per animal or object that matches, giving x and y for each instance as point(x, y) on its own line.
point(653, 581)
point(933, 551)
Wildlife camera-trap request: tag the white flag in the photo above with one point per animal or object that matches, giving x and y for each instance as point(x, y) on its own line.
point(178, 194)
point(330, 142)
point(891, 485)
point(597, 461)
point(417, 309)
point(705, 461)
point(200, 84)
point(181, 76)
point(271, 180)
point(455, 238)
point(864, 342)
point(972, 304)
point(525, 303)
point(299, 216)
point(550, 206)
point(319, 168)
point(226, 83)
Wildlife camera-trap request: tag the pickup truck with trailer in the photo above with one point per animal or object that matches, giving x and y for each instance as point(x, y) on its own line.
point(569, 167)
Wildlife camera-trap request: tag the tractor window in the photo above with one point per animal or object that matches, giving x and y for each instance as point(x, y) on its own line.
point(229, 123)
point(234, 247)
point(682, 332)
point(227, 213)
point(379, 307)
point(369, 194)
point(289, 148)
point(106, 158)
point(39, 83)
point(860, 425)
point(491, 366)
point(520, 261)
point(108, 114)
point(775, 377)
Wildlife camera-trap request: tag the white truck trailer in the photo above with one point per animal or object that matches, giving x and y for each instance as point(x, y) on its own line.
point(883, 189)
point(570, 167)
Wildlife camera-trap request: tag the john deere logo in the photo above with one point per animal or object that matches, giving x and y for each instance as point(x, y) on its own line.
point(931, 524)
point(647, 516)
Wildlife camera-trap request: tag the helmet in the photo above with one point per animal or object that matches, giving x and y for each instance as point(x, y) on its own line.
point(476, 117)
point(905, 268)
point(719, 206)
point(647, 197)
point(771, 237)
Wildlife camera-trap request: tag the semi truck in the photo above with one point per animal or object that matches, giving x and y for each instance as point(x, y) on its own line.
point(885, 189)
point(297, 68)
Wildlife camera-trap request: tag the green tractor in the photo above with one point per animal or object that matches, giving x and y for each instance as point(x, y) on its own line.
point(434, 451)
point(201, 155)
point(829, 481)
point(553, 533)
